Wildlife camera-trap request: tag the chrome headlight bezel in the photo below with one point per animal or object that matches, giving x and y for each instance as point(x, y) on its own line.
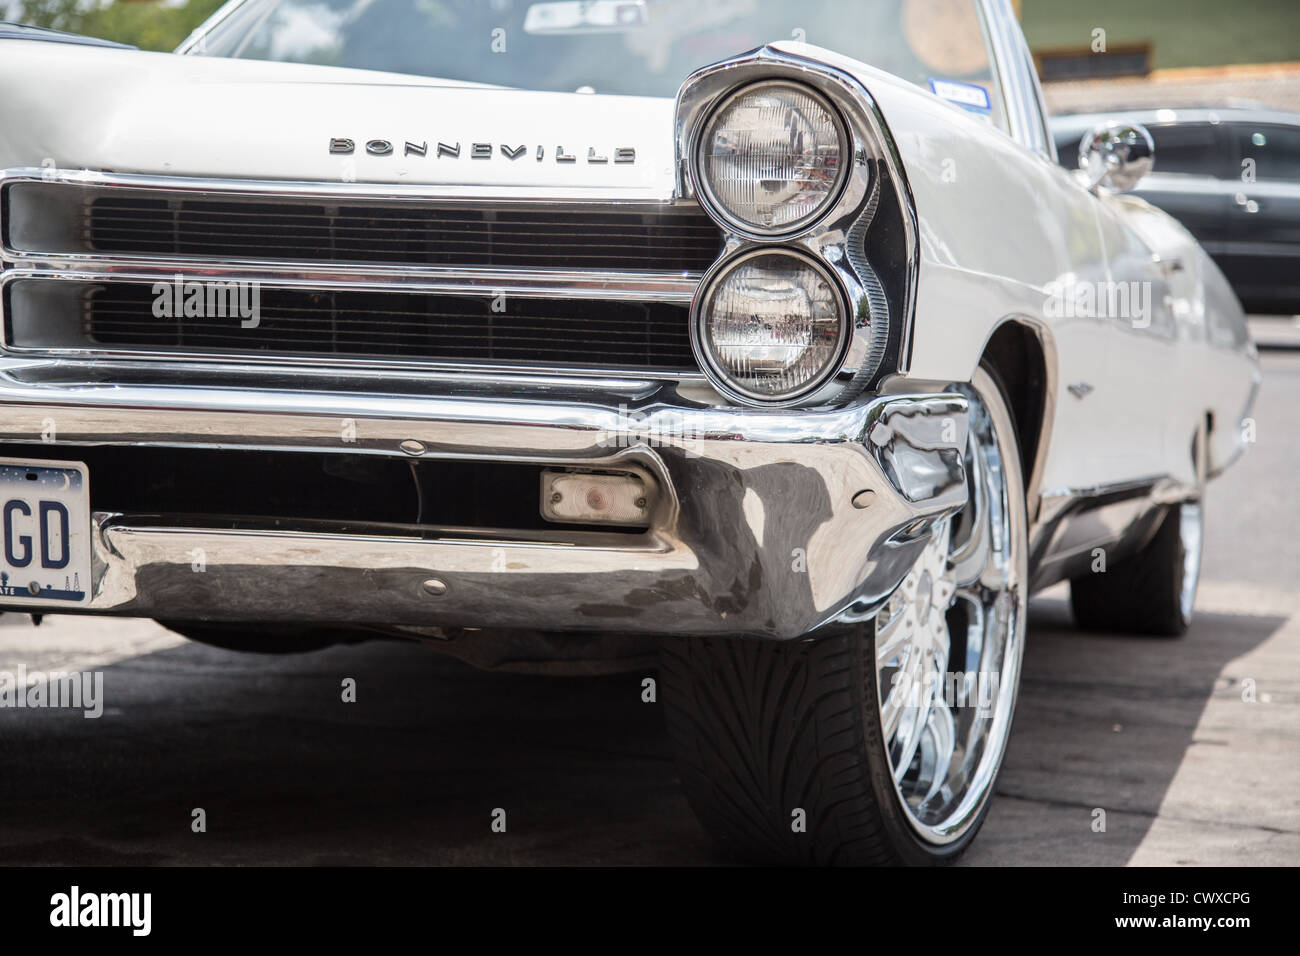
point(704, 189)
point(838, 237)
point(718, 375)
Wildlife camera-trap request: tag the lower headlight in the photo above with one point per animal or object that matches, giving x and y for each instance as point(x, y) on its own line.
point(770, 327)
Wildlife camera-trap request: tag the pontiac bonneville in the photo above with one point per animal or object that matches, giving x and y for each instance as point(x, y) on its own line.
point(764, 340)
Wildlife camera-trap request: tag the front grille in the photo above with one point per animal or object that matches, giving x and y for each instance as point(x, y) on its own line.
point(678, 240)
point(392, 325)
point(397, 275)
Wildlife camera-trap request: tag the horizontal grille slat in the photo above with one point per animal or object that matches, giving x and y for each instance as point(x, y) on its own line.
point(664, 238)
point(126, 321)
point(520, 237)
point(404, 326)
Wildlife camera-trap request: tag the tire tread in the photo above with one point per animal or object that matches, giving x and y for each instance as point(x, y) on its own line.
point(804, 747)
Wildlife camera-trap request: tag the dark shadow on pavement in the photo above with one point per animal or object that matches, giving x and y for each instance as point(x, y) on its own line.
point(411, 773)
point(1103, 722)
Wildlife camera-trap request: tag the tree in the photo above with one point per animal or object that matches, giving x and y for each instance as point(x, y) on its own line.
point(146, 24)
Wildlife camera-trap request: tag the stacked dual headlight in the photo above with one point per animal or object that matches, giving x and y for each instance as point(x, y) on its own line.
point(771, 324)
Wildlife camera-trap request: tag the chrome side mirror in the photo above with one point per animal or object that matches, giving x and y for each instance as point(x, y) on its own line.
point(1117, 155)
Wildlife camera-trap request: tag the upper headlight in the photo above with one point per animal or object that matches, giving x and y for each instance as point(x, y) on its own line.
point(772, 157)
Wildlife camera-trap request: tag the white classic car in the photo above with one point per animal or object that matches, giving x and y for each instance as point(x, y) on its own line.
point(766, 337)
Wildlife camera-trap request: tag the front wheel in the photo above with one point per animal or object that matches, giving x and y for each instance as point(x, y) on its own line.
point(880, 742)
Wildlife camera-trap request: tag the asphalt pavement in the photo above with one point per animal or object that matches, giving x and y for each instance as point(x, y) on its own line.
point(1188, 749)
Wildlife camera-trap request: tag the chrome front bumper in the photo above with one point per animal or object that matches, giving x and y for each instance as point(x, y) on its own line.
point(764, 523)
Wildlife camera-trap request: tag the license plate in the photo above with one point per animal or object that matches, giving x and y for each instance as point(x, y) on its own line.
point(45, 519)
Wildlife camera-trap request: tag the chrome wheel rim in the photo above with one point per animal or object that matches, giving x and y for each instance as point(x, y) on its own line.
point(948, 645)
point(1189, 530)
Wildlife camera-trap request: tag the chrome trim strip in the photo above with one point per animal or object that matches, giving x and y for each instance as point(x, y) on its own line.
point(1126, 506)
point(220, 374)
point(450, 193)
point(180, 412)
point(1020, 96)
point(550, 375)
point(221, 13)
point(445, 280)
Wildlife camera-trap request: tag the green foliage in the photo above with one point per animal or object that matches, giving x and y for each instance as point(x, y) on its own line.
point(143, 23)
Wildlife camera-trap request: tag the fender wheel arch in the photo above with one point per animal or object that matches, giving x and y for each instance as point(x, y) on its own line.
point(1022, 357)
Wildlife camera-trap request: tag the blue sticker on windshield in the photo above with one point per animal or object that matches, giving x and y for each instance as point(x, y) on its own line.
point(966, 95)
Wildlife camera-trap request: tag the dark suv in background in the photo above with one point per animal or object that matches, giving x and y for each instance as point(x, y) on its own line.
point(1232, 177)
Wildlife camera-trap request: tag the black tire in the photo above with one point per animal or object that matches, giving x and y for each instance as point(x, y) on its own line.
point(765, 729)
point(1145, 593)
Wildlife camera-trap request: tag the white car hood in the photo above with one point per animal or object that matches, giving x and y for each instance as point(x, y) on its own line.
point(76, 107)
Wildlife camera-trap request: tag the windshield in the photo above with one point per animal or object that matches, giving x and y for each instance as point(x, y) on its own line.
point(637, 47)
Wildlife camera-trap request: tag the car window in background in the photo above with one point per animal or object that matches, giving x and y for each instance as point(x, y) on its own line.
point(1191, 148)
point(1275, 150)
point(637, 47)
point(1067, 148)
